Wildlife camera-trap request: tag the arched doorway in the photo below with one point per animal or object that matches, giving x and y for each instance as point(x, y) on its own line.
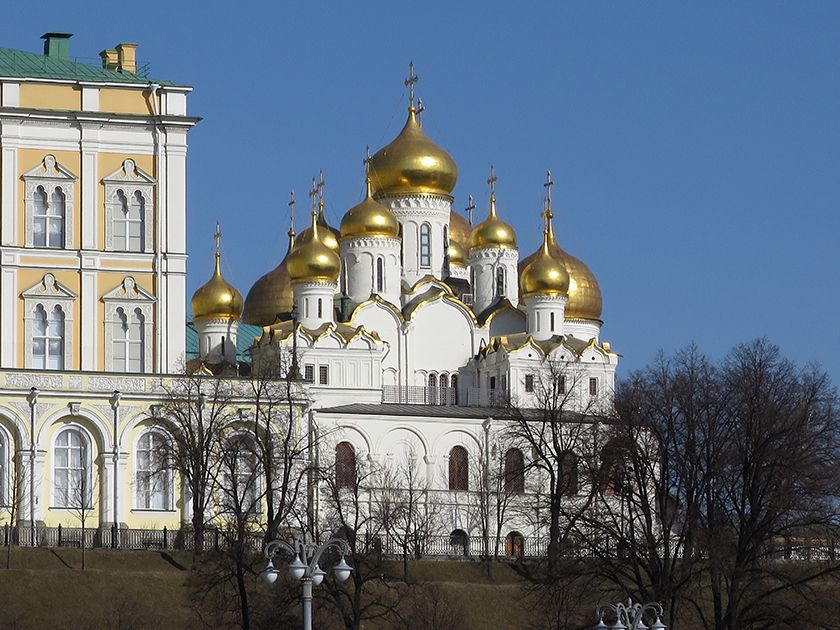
point(515, 545)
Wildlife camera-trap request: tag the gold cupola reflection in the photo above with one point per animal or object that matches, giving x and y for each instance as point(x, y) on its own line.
point(312, 260)
point(369, 218)
point(217, 298)
point(585, 300)
point(412, 163)
point(492, 232)
point(545, 273)
point(329, 235)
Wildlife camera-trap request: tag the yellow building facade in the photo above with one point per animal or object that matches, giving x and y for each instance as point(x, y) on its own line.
point(92, 281)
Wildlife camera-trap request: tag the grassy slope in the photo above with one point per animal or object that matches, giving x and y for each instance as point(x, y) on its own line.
point(145, 589)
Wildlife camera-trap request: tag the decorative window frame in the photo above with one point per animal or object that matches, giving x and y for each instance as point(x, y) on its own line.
point(50, 175)
point(128, 296)
point(88, 464)
point(50, 293)
point(129, 179)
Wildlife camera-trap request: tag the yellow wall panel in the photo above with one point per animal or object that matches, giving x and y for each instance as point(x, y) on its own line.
point(127, 101)
point(46, 96)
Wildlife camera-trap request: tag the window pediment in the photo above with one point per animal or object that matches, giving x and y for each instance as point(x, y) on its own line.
point(49, 288)
point(129, 172)
point(129, 291)
point(49, 169)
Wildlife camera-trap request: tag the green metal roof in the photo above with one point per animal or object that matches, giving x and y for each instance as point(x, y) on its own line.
point(21, 64)
point(244, 340)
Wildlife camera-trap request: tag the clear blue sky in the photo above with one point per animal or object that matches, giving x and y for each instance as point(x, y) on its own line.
point(695, 146)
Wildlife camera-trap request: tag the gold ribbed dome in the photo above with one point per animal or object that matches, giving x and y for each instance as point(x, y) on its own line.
point(545, 273)
point(217, 298)
point(412, 164)
point(459, 230)
point(493, 232)
point(312, 260)
point(369, 218)
point(457, 254)
point(329, 235)
point(271, 295)
point(585, 300)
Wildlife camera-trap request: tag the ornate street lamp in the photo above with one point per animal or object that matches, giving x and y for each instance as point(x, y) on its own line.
point(629, 616)
point(305, 569)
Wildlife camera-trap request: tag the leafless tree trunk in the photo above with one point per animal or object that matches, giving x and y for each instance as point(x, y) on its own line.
point(81, 503)
point(17, 480)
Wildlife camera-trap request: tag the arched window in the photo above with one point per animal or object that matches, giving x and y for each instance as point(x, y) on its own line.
point(48, 218)
point(432, 379)
point(500, 281)
point(48, 338)
point(345, 465)
point(425, 245)
point(444, 380)
point(128, 341)
point(320, 308)
point(552, 321)
point(459, 474)
point(568, 473)
point(380, 274)
point(128, 222)
point(71, 470)
point(514, 471)
point(153, 488)
point(241, 477)
point(459, 541)
point(613, 469)
point(453, 383)
point(402, 247)
point(515, 545)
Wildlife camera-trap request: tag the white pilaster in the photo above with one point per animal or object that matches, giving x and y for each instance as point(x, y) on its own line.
point(90, 187)
point(89, 319)
point(8, 314)
point(9, 175)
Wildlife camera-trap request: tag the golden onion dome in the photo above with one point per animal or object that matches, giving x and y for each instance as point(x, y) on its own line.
point(217, 298)
point(271, 295)
point(329, 235)
point(545, 274)
point(459, 230)
point(493, 232)
point(585, 300)
point(312, 260)
point(457, 254)
point(369, 218)
point(412, 163)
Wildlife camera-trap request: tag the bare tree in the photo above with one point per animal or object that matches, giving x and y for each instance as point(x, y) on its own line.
point(559, 434)
point(16, 480)
point(80, 502)
point(195, 410)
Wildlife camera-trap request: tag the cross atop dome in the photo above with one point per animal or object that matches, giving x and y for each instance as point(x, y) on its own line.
point(548, 185)
point(410, 81)
point(470, 207)
point(313, 194)
point(492, 181)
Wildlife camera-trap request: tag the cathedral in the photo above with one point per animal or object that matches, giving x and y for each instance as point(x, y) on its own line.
point(410, 326)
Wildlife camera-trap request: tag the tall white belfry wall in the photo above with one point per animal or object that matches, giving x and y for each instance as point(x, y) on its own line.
point(358, 260)
point(314, 303)
point(217, 339)
point(412, 211)
point(485, 262)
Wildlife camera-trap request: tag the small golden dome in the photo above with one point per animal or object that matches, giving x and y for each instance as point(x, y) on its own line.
point(493, 232)
point(457, 254)
point(545, 274)
point(329, 235)
point(217, 298)
point(369, 218)
point(412, 164)
point(271, 295)
point(585, 301)
point(312, 260)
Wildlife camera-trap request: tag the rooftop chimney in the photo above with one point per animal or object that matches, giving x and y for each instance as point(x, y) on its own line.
point(127, 57)
point(57, 45)
point(110, 59)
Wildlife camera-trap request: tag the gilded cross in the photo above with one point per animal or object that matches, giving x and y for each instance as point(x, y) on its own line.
point(410, 81)
point(492, 181)
point(321, 189)
point(366, 161)
point(292, 211)
point(218, 236)
point(470, 208)
point(313, 195)
point(548, 184)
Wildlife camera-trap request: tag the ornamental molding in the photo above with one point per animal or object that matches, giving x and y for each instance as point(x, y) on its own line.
point(110, 383)
point(28, 381)
point(49, 289)
point(544, 298)
point(495, 253)
point(49, 175)
point(129, 180)
point(416, 199)
point(372, 242)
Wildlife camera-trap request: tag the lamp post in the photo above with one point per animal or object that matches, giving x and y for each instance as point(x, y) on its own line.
point(115, 407)
point(305, 569)
point(32, 399)
point(630, 616)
